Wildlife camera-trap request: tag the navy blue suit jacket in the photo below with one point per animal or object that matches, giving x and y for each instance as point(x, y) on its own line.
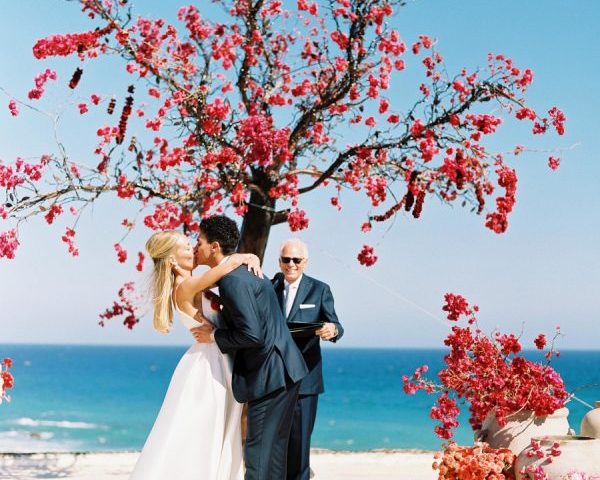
point(317, 300)
point(257, 334)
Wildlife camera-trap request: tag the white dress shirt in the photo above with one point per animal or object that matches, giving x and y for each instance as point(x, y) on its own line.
point(289, 294)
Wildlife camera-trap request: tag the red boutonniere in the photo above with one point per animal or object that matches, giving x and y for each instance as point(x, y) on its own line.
point(214, 299)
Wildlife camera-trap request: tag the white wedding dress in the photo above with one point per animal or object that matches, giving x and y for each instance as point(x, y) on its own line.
point(197, 434)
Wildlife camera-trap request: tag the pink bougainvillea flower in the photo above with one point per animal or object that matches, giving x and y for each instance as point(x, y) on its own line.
point(13, 108)
point(554, 163)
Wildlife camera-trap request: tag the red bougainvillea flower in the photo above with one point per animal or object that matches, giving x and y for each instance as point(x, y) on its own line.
point(540, 341)
point(7, 381)
point(64, 45)
point(125, 306)
point(554, 163)
point(456, 305)
point(140, 264)
point(69, 239)
point(498, 220)
point(40, 80)
point(121, 253)
point(367, 256)
point(558, 120)
point(8, 244)
point(297, 220)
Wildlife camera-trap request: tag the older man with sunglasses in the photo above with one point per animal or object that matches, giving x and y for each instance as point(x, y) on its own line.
point(305, 301)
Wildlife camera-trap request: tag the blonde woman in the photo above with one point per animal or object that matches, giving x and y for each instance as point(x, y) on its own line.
point(197, 432)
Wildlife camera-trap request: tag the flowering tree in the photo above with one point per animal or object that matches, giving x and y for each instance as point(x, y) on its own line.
point(264, 104)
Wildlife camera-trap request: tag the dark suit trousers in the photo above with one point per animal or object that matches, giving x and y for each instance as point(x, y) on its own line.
point(305, 413)
point(269, 424)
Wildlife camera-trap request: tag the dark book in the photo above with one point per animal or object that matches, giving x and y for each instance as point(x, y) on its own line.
point(304, 329)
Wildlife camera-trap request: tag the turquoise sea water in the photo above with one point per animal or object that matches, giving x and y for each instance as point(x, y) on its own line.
point(106, 398)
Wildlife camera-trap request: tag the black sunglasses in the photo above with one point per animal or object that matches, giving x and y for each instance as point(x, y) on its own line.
point(286, 260)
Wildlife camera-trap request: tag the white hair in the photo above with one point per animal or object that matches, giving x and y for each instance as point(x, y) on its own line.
point(297, 243)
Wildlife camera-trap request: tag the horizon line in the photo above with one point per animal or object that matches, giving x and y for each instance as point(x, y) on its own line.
point(345, 347)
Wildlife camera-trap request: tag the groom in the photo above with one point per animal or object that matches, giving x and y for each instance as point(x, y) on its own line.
point(268, 366)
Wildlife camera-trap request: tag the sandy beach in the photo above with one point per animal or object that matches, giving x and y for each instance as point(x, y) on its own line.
point(328, 465)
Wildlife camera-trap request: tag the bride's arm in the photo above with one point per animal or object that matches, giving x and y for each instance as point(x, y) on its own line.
point(193, 285)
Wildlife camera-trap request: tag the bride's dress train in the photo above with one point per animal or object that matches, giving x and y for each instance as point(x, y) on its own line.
point(197, 434)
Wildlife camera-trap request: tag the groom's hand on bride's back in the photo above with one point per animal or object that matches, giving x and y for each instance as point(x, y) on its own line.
point(204, 333)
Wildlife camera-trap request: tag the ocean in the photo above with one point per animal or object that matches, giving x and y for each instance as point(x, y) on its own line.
point(105, 398)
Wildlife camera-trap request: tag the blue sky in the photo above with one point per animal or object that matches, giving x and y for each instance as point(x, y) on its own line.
point(544, 271)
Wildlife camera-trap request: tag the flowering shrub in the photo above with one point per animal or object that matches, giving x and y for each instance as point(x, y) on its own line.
point(6, 379)
point(479, 462)
point(489, 373)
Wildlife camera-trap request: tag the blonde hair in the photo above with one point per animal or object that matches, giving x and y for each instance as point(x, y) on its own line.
point(160, 247)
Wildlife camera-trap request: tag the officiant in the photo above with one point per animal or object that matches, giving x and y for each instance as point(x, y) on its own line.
point(307, 303)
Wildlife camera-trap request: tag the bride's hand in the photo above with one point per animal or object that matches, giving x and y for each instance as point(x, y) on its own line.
point(177, 270)
point(202, 319)
point(202, 334)
point(253, 263)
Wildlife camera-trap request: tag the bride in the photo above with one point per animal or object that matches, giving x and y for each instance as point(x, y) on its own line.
point(197, 434)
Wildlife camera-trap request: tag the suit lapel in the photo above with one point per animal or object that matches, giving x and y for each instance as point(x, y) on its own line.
point(301, 294)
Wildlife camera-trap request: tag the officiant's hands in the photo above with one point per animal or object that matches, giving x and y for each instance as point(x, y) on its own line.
point(204, 333)
point(327, 332)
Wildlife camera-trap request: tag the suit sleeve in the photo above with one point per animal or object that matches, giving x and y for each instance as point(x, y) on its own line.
point(328, 312)
point(241, 303)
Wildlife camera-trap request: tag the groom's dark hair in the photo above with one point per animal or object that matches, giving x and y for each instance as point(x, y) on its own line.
point(222, 229)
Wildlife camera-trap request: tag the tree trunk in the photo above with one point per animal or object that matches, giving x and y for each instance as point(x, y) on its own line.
point(258, 219)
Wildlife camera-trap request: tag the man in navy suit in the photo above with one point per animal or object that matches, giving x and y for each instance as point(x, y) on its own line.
point(268, 367)
point(305, 300)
